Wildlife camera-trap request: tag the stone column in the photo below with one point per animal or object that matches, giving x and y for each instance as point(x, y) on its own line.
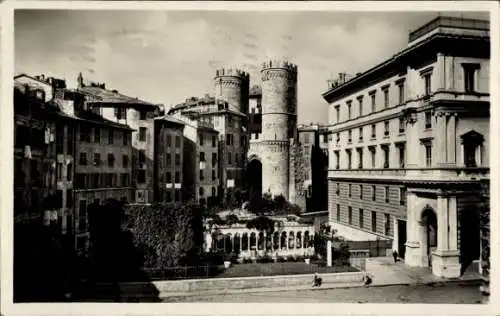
point(439, 149)
point(329, 253)
point(442, 223)
point(451, 139)
point(453, 221)
point(413, 255)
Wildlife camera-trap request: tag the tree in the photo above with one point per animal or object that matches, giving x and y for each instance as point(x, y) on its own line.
point(321, 239)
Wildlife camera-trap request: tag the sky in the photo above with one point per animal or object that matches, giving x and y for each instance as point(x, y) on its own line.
point(167, 56)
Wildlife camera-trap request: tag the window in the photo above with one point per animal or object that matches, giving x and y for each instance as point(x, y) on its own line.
point(469, 77)
point(169, 141)
point(428, 120)
point(201, 191)
point(428, 154)
point(82, 216)
point(386, 128)
point(387, 222)
point(360, 136)
point(373, 155)
point(214, 175)
point(110, 137)
point(177, 159)
point(69, 172)
point(243, 141)
point(373, 98)
point(385, 91)
point(229, 139)
point(121, 114)
point(214, 159)
point(401, 125)
point(97, 159)
point(229, 158)
point(385, 149)
point(202, 156)
point(349, 214)
point(350, 190)
point(83, 159)
point(374, 221)
point(338, 212)
point(169, 160)
point(337, 159)
point(360, 158)
point(472, 144)
point(214, 192)
point(168, 177)
point(214, 141)
point(202, 176)
point(306, 138)
point(374, 193)
point(177, 176)
point(125, 138)
point(125, 161)
point(201, 140)
point(349, 109)
point(177, 141)
point(349, 159)
point(97, 135)
point(374, 131)
point(386, 194)
point(401, 92)
point(338, 138)
point(58, 171)
point(360, 104)
point(361, 218)
point(402, 155)
point(143, 115)
point(337, 189)
point(427, 84)
point(84, 133)
point(168, 196)
point(337, 113)
point(349, 136)
point(142, 134)
point(402, 196)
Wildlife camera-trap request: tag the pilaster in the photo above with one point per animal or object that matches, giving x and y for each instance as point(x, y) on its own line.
point(451, 132)
point(440, 72)
point(442, 219)
point(412, 141)
point(441, 139)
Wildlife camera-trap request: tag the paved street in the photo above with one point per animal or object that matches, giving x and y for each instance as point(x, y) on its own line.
point(441, 294)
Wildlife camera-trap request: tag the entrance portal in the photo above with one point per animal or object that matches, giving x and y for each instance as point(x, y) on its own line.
point(254, 178)
point(469, 237)
point(429, 220)
point(401, 238)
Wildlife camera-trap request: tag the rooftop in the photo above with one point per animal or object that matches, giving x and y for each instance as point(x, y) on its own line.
point(450, 22)
point(113, 97)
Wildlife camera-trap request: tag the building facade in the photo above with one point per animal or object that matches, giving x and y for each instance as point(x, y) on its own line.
point(139, 116)
point(410, 144)
point(168, 174)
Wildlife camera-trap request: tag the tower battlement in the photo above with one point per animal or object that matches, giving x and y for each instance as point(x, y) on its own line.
point(283, 64)
point(232, 72)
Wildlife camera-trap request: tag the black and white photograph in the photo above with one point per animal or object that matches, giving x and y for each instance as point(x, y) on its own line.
point(250, 155)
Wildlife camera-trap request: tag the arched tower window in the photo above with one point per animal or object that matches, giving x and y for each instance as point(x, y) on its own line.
point(472, 146)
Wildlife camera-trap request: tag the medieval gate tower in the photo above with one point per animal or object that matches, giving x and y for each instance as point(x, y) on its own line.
point(279, 125)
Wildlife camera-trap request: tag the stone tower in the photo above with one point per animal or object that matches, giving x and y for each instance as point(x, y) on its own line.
point(279, 125)
point(232, 86)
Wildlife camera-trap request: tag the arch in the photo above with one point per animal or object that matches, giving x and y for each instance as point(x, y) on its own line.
point(244, 242)
point(306, 239)
point(253, 241)
point(298, 240)
point(276, 240)
point(236, 242)
point(261, 241)
point(269, 242)
point(220, 241)
point(291, 240)
point(283, 240)
point(254, 177)
point(430, 227)
point(228, 243)
point(472, 148)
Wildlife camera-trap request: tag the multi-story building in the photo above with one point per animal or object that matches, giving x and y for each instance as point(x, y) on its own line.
point(227, 113)
point(138, 115)
point(410, 145)
point(168, 160)
point(201, 156)
point(102, 153)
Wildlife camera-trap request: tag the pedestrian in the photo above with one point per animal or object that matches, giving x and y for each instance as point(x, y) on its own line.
point(317, 281)
point(395, 255)
point(368, 279)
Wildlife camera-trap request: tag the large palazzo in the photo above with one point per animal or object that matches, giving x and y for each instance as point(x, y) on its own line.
point(409, 147)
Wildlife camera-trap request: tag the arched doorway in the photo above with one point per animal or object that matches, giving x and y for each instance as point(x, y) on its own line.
point(254, 177)
point(469, 237)
point(429, 223)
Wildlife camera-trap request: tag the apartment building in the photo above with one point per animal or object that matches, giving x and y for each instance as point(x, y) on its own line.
point(139, 116)
point(409, 146)
point(169, 158)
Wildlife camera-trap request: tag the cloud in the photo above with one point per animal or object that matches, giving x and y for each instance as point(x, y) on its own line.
point(165, 57)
